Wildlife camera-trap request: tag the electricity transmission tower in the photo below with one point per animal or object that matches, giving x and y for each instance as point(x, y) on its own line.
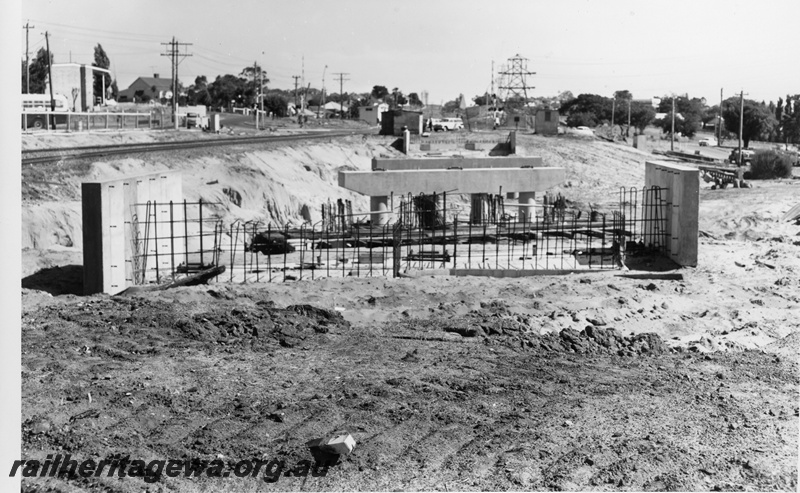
point(515, 82)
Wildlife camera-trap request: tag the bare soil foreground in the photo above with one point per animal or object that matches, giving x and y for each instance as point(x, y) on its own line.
point(610, 381)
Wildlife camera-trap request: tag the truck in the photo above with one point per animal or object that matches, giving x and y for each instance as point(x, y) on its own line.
point(747, 156)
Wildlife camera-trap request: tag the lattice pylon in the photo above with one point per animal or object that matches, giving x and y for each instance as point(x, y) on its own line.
point(516, 84)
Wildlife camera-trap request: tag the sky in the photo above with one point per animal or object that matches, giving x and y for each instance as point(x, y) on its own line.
point(444, 47)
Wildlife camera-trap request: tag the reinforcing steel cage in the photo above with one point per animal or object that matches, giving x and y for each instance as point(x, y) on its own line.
point(178, 239)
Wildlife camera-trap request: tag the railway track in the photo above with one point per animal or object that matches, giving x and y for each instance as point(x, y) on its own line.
point(58, 155)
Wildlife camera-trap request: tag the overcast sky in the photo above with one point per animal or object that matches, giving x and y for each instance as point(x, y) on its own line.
point(445, 47)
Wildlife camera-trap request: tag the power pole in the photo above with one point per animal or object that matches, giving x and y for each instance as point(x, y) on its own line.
point(341, 90)
point(741, 125)
point(255, 82)
point(672, 133)
point(50, 80)
point(628, 128)
point(613, 110)
point(322, 99)
point(261, 94)
point(27, 60)
point(295, 77)
point(174, 54)
point(719, 121)
point(492, 93)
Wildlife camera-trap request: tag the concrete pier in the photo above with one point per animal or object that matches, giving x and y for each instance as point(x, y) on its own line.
point(527, 201)
point(379, 208)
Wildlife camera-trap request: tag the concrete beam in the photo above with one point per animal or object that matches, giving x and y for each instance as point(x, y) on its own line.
point(460, 180)
point(395, 164)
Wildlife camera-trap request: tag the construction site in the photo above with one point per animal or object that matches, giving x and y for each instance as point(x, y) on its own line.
point(481, 311)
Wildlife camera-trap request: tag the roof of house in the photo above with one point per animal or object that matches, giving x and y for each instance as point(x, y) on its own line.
point(159, 82)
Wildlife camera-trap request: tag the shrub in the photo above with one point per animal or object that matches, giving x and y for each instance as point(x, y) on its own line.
point(582, 119)
point(768, 164)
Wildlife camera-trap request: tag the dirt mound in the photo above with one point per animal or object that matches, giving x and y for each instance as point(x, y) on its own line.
point(514, 329)
point(142, 324)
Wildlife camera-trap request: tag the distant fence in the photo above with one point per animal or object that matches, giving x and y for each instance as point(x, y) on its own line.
point(427, 235)
point(88, 121)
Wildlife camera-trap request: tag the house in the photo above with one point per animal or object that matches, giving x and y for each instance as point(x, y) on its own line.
point(334, 107)
point(546, 122)
point(144, 89)
point(76, 82)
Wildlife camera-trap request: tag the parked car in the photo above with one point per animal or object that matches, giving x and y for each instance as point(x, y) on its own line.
point(192, 120)
point(707, 142)
point(747, 156)
point(445, 124)
point(269, 244)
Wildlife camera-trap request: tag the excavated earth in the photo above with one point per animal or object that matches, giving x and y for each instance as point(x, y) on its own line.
point(603, 381)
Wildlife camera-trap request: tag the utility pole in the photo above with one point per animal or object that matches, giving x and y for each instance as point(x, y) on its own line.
point(613, 110)
point(672, 133)
point(341, 90)
point(50, 81)
point(741, 126)
point(719, 120)
point(260, 92)
point(628, 127)
point(492, 93)
point(174, 54)
point(322, 99)
point(255, 82)
point(27, 60)
point(295, 77)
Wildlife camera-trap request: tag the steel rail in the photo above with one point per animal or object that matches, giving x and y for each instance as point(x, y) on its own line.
point(60, 154)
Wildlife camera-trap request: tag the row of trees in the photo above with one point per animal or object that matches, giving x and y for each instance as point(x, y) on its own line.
point(766, 122)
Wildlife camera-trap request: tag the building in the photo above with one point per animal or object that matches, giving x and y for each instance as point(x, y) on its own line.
point(546, 122)
point(147, 88)
point(75, 81)
point(393, 121)
point(372, 114)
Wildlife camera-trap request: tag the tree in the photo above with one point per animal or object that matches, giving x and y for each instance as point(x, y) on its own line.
point(598, 106)
point(227, 88)
point(623, 95)
point(482, 100)
point(581, 119)
point(642, 114)
point(198, 92)
point(100, 81)
point(414, 100)
point(688, 114)
point(114, 90)
point(450, 107)
point(379, 92)
point(277, 104)
point(791, 119)
point(38, 70)
point(758, 121)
